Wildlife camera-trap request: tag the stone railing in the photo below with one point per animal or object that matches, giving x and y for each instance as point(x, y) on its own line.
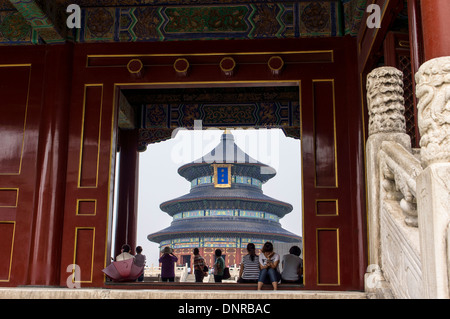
point(153, 273)
point(399, 170)
point(181, 272)
point(409, 195)
point(392, 170)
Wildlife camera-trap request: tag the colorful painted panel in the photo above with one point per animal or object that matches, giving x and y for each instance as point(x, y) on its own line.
point(206, 19)
point(247, 180)
point(205, 180)
point(234, 179)
point(194, 213)
point(319, 18)
point(226, 212)
point(271, 217)
point(40, 21)
point(14, 29)
point(227, 242)
point(258, 242)
point(251, 214)
point(165, 243)
point(221, 212)
point(353, 12)
point(185, 242)
point(256, 182)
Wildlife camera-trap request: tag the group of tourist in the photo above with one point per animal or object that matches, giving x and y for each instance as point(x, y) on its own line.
point(265, 267)
point(168, 260)
point(260, 269)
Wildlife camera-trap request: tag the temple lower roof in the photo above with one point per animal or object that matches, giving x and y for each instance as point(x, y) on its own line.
point(220, 226)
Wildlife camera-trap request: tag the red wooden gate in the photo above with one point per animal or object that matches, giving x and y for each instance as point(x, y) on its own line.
point(332, 142)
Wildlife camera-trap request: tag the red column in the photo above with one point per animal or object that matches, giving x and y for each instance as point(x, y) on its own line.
point(51, 164)
point(416, 52)
point(435, 28)
point(126, 218)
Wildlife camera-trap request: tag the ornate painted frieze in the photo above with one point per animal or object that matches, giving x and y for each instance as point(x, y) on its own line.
point(226, 213)
point(161, 20)
point(211, 241)
point(15, 29)
point(234, 179)
point(232, 20)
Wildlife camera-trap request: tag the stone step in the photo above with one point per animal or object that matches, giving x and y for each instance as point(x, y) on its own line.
point(98, 293)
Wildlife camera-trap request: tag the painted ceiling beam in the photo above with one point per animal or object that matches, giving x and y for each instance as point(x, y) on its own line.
point(39, 20)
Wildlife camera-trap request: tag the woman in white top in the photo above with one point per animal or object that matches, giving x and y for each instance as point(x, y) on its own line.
point(249, 270)
point(268, 263)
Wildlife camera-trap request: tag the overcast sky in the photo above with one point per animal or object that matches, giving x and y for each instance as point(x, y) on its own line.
point(159, 180)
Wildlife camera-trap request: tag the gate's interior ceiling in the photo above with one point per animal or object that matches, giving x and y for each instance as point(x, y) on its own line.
point(157, 112)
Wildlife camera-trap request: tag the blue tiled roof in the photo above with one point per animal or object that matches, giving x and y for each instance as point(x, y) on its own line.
point(221, 226)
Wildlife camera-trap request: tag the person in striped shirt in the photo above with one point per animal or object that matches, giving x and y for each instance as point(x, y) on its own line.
point(249, 270)
point(199, 265)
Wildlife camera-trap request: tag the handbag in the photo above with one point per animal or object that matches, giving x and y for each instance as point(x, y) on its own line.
point(205, 268)
point(226, 273)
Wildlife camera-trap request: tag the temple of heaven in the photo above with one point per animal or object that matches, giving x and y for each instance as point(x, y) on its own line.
point(225, 208)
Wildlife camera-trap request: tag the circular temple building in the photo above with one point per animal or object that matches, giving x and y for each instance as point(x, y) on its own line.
point(225, 208)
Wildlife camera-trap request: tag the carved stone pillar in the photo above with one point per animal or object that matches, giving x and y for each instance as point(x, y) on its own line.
point(433, 184)
point(385, 101)
point(386, 123)
point(433, 92)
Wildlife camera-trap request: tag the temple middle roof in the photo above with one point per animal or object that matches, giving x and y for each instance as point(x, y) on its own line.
point(240, 197)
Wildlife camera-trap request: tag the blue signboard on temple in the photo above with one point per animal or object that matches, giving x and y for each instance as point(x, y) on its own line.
point(222, 175)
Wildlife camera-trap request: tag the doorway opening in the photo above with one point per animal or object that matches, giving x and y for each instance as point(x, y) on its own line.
point(265, 111)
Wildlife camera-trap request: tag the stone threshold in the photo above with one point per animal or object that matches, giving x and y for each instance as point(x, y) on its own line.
point(101, 293)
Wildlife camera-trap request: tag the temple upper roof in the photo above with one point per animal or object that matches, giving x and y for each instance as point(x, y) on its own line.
point(227, 152)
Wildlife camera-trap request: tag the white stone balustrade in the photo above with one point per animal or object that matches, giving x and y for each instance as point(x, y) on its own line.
point(408, 196)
